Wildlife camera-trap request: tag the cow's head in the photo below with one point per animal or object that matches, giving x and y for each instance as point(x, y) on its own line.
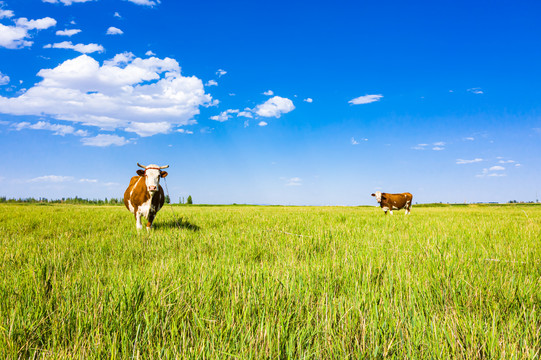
point(378, 196)
point(152, 174)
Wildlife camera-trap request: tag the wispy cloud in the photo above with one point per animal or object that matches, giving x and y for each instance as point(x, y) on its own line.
point(211, 83)
point(295, 181)
point(58, 129)
point(366, 99)
point(68, 32)
point(82, 48)
point(462, 161)
point(308, 100)
point(104, 140)
point(66, 2)
point(355, 142)
point(476, 91)
point(224, 115)
point(268, 93)
point(150, 3)
point(51, 179)
point(221, 72)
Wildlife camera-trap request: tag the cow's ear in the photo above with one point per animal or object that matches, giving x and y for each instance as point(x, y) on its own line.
point(383, 197)
point(163, 174)
point(141, 172)
point(373, 194)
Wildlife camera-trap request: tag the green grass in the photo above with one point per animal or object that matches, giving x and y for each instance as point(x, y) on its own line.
point(270, 282)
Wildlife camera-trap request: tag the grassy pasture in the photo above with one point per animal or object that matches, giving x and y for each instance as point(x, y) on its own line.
point(270, 282)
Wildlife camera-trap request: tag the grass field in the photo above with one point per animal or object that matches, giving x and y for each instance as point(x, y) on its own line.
point(270, 282)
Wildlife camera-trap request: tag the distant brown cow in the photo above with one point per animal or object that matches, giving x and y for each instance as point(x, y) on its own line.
point(144, 196)
point(390, 202)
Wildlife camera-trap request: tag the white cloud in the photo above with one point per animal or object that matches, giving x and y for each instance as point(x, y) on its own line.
point(114, 31)
point(476, 91)
point(39, 24)
point(68, 32)
point(263, 123)
point(211, 83)
point(16, 37)
point(103, 140)
point(246, 114)
point(82, 48)
point(439, 143)
point(6, 14)
point(224, 115)
point(146, 96)
point(4, 79)
point(92, 181)
point(221, 72)
point(469, 138)
point(420, 147)
point(117, 15)
point(309, 100)
point(462, 161)
point(294, 182)
point(58, 129)
point(438, 148)
point(150, 53)
point(65, 2)
point(506, 161)
point(366, 99)
point(51, 179)
point(268, 93)
point(496, 168)
point(274, 107)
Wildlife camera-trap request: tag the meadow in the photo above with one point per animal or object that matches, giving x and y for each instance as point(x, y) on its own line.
point(253, 282)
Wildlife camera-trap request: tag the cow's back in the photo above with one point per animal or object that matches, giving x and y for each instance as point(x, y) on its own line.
point(397, 201)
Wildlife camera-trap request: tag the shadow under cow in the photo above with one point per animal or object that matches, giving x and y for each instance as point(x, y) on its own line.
point(175, 223)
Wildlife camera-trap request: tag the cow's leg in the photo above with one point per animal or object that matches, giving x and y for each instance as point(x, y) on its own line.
point(391, 212)
point(138, 224)
point(151, 217)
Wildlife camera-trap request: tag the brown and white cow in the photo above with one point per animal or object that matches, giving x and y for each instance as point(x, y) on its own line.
point(390, 202)
point(144, 196)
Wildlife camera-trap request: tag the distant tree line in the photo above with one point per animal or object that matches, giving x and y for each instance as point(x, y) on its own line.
point(80, 201)
point(69, 200)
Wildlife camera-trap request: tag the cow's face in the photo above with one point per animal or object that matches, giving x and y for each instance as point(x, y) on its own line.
point(377, 194)
point(152, 178)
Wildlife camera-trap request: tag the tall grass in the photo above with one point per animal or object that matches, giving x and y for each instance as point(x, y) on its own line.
point(270, 282)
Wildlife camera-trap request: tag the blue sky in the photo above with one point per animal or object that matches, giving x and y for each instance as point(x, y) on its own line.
point(303, 103)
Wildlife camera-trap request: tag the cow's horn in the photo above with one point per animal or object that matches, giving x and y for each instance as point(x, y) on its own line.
point(144, 167)
point(164, 167)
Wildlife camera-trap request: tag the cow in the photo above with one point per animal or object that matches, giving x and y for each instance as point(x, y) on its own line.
point(390, 202)
point(144, 196)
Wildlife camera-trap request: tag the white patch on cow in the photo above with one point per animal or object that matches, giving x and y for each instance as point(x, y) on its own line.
point(138, 224)
point(391, 212)
point(144, 208)
point(130, 206)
